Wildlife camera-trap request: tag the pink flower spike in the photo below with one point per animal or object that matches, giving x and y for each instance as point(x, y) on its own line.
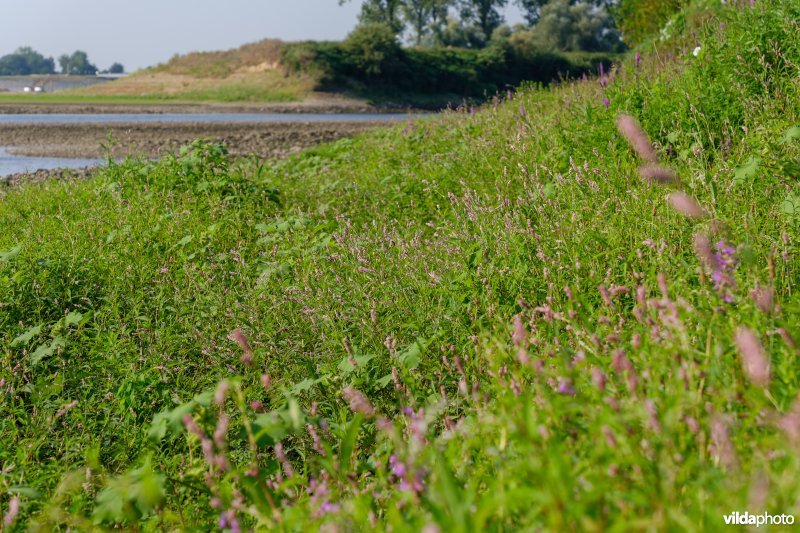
point(686, 205)
point(754, 360)
point(633, 133)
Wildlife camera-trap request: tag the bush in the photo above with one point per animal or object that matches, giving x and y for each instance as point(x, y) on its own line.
point(372, 48)
point(465, 72)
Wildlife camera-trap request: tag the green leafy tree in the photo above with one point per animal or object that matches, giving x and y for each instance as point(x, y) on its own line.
point(372, 47)
point(638, 19)
point(485, 15)
point(25, 61)
point(77, 64)
point(389, 12)
point(116, 68)
point(572, 26)
point(531, 9)
point(425, 17)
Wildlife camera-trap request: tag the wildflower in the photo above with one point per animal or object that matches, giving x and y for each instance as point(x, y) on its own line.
point(638, 59)
point(659, 174)
point(696, 51)
point(566, 387)
point(764, 298)
point(266, 381)
point(755, 361)
point(598, 378)
point(227, 520)
point(522, 112)
point(221, 430)
point(64, 410)
point(606, 103)
point(790, 422)
point(609, 435)
point(358, 402)
point(239, 338)
point(721, 445)
point(397, 467)
point(725, 262)
point(686, 205)
point(221, 393)
point(630, 129)
point(285, 464)
point(13, 511)
point(518, 337)
point(702, 247)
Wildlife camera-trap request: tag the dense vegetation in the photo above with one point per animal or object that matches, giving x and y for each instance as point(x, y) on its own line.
point(367, 65)
point(526, 317)
point(26, 61)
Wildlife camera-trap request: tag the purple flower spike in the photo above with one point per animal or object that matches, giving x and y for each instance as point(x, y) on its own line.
point(638, 59)
point(566, 387)
point(522, 111)
point(606, 103)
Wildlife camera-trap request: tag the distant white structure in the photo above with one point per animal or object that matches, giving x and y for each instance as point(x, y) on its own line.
point(27, 89)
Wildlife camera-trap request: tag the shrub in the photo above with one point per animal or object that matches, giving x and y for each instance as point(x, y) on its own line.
point(372, 48)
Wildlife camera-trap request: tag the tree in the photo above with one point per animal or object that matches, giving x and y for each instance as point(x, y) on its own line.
point(531, 9)
point(638, 19)
point(25, 61)
point(116, 68)
point(372, 47)
point(384, 12)
point(77, 64)
point(568, 26)
point(484, 14)
point(418, 13)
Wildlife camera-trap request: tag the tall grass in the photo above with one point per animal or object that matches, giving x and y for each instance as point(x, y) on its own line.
point(526, 317)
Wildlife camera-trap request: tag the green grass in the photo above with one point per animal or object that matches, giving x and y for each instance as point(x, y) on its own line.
point(475, 322)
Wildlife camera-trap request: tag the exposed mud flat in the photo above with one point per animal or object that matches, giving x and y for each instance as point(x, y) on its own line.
point(152, 140)
point(326, 104)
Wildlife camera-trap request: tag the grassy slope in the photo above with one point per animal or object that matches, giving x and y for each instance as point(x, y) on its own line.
point(426, 266)
point(250, 73)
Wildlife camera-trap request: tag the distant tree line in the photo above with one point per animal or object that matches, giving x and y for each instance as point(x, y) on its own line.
point(551, 25)
point(26, 61)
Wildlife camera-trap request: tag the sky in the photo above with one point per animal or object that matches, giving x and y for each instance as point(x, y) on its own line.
point(141, 33)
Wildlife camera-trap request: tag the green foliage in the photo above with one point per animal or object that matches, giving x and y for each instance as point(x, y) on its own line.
point(436, 71)
point(471, 322)
point(26, 61)
point(372, 48)
point(77, 64)
point(570, 26)
point(639, 20)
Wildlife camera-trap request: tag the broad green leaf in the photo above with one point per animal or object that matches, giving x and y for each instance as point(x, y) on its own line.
point(268, 429)
point(747, 171)
point(169, 421)
point(73, 319)
point(26, 337)
point(47, 349)
point(304, 386)
point(10, 254)
point(792, 134)
point(791, 206)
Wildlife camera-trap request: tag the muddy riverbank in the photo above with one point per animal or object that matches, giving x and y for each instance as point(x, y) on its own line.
point(156, 139)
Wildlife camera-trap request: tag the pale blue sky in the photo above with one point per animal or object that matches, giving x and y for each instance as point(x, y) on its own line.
point(141, 33)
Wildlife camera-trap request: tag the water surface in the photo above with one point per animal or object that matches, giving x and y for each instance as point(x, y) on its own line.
point(15, 164)
point(100, 118)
